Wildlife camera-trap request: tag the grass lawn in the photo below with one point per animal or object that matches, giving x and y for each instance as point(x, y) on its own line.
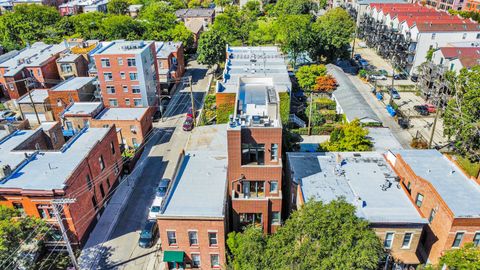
point(470, 167)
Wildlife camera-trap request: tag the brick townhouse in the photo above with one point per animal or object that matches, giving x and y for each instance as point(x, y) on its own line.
point(366, 181)
point(72, 65)
point(37, 61)
point(39, 165)
point(253, 79)
point(444, 195)
point(170, 62)
point(193, 221)
point(127, 73)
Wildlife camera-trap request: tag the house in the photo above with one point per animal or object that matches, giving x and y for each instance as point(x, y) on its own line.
point(82, 6)
point(193, 221)
point(39, 166)
point(441, 192)
point(72, 65)
point(170, 62)
point(365, 180)
point(196, 20)
point(35, 107)
point(133, 10)
point(36, 64)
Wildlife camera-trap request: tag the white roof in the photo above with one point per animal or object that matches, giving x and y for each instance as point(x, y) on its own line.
point(164, 49)
point(83, 108)
point(38, 96)
point(122, 114)
point(124, 47)
point(73, 83)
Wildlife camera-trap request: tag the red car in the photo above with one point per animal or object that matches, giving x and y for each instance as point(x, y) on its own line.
point(431, 108)
point(190, 113)
point(188, 124)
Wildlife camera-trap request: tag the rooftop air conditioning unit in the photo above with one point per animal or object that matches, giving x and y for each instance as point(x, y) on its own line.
point(5, 171)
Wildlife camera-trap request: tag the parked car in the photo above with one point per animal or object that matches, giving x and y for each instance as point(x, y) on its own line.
point(383, 72)
point(414, 78)
point(403, 123)
point(148, 234)
point(378, 77)
point(190, 112)
point(400, 76)
point(357, 56)
point(430, 107)
point(363, 63)
point(394, 93)
point(421, 109)
point(162, 188)
point(188, 124)
point(155, 208)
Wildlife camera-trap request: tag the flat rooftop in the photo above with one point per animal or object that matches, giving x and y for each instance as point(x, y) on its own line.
point(73, 84)
point(121, 114)
point(83, 108)
point(164, 49)
point(71, 57)
point(358, 178)
point(383, 139)
point(461, 194)
point(199, 189)
point(38, 96)
point(47, 170)
point(124, 47)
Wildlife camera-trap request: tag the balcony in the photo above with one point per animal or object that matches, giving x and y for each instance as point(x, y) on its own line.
point(250, 195)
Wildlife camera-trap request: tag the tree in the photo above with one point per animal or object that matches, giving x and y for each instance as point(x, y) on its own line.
point(118, 7)
point(310, 240)
point(307, 76)
point(263, 34)
point(294, 34)
point(88, 25)
point(235, 25)
point(181, 33)
point(348, 137)
point(467, 257)
point(222, 3)
point(334, 32)
point(462, 114)
point(211, 48)
point(325, 84)
point(294, 7)
point(158, 19)
point(121, 27)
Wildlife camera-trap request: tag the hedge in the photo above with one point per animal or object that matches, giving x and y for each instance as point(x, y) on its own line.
point(321, 130)
point(324, 103)
point(284, 107)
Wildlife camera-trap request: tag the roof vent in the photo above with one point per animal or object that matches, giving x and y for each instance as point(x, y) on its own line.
point(5, 171)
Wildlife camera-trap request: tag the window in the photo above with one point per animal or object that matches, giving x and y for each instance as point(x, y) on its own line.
point(253, 188)
point(478, 36)
point(214, 260)
point(11, 86)
point(105, 62)
point(253, 154)
point(409, 187)
point(133, 128)
point(133, 76)
point(45, 211)
point(195, 260)
point(464, 36)
point(433, 35)
point(106, 126)
point(407, 239)
point(122, 75)
point(136, 89)
point(476, 239)
point(131, 62)
point(89, 182)
point(193, 238)
point(66, 68)
point(113, 102)
point(172, 238)
point(94, 203)
point(108, 183)
point(419, 200)
point(137, 102)
point(110, 89)
point(274, 152)
point(102, 164)
point(251, 218)
point(275, 217)
point(102, 191)
point(112, 146)
point(388, 240)
point(39, 73)
point(125, 88)
point(458, 239)
point(19, 207)
point(116, 169)
point(452, 65)
point(54, 138)
point(120, 61)
point(108, 76)
point(273, 186)
point(432, 215)
point(212, 238)
point(441, 61)
point(127, 102)
point(134, 142)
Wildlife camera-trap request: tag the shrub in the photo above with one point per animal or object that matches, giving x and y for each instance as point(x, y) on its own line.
point(418, 144)
point(284, 107)
point(324, 103)
point(325, 84)
point(223, 112)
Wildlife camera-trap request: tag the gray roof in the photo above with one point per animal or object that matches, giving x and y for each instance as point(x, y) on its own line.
point(123, 47)
point(461, 194)
point(358, 179)
point(71, 57)
point(83, 108)
point(122, 114)
point(383, 139)
point(195, 12)
point(349, 98)
point(367, 2)
point(199, 190)
point(47, 170)
point(73, 83)
point(164, 49)
point(38, 96)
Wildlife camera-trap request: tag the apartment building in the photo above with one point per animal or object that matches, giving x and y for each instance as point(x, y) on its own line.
point(170, 61)
point(82, 6)
point(72, 65)
point(471, 5)
point(254, 79)
point(37, 62)
point(193, 221)
point(39, 166)
point(404, 33)
point(35, 107)
point(366, 181)
point(75, 89)
point(127, 73)
point(444, 195)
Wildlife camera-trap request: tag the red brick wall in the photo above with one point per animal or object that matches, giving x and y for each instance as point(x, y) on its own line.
point(181, 228)
point(65, 97)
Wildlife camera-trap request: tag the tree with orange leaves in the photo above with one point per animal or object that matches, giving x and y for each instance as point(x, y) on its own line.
point(325, 84)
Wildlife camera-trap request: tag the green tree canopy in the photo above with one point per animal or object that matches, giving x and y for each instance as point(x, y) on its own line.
point(348, 137)
point(307, 76)
point(294, 7)
point(88, 25)
point(121, 26)
point(118, 7)
point(310, 240)
point(467, 257)
point(462, 114)
point(235, 25)
point(211, 48)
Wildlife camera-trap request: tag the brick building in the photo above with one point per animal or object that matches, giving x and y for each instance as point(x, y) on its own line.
point(193, 220)
point(42, 110)
point(366, 181)
point(38, 166)
point(72, 65)
point(170, 61)
point(37, 61)
point(254, 78)
point(127, 73)
point(444, 195)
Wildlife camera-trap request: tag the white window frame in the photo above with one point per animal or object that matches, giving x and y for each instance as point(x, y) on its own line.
point(131, 62)
point(391, 242)
point(199, 259)
point(409, 242)
point(105, 62)
point(461, 240)
point(211, 262)
point(110, 76)
point(136, 89)
point(120, 61)
point(139, 104)
point(270, 186)
point(130, 76)
point(109, 88)
point(279, 218)
point(168, 238)
point(127, 102)
point(476, 233)
point(110, 100)
point(122, 75)
point(216, 238)
point(195, 232)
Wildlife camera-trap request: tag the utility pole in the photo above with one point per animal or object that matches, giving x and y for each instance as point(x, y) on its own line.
point(433, 128)
point(310, 113)
point(55, 203)
point(31, 100)
point(357, 23)
point(192, 99)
